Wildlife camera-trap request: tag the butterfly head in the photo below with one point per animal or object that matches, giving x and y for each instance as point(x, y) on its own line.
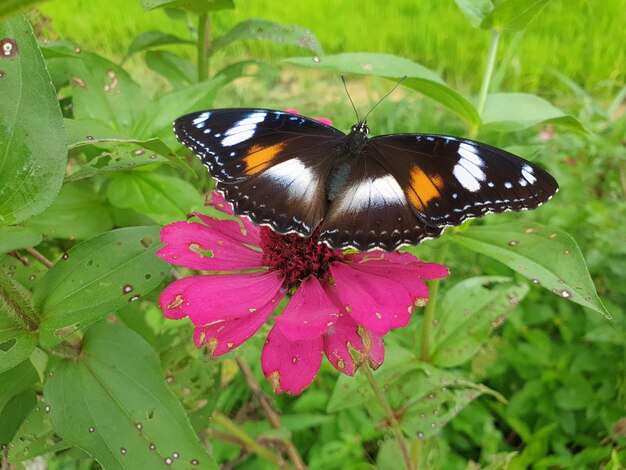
point(360, 127)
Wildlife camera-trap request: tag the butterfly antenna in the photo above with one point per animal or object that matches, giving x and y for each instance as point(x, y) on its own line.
point(384, 97)
point(343, 79)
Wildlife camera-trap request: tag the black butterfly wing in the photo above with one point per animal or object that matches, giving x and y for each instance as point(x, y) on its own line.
point(447, 180)
point(272, 165)
point(371, 211)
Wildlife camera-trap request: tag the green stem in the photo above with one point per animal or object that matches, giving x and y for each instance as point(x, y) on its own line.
point(429, 311)
point(204, 44)
point(617, 102)
point(391, 417)
point(250, 444)
point(16, 302)
point(484, 87)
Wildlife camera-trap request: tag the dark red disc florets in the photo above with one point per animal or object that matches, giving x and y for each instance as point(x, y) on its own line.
point(297, 257)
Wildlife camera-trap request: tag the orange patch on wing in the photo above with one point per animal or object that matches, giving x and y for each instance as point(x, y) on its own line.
point(260, 158)
point(424, 188)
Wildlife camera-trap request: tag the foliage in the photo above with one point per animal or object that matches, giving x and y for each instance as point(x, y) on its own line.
point(497, 372)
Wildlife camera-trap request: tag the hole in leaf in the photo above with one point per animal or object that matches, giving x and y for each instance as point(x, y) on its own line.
point(102, 162)
point(66, 330)
point(6, 346)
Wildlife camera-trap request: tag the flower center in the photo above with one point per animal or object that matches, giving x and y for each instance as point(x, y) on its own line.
point(297, 257)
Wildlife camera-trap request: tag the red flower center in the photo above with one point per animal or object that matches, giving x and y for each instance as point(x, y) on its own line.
point(297, 257)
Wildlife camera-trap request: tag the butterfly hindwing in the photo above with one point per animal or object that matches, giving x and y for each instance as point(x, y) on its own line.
point(371, 211)
point(448, 179)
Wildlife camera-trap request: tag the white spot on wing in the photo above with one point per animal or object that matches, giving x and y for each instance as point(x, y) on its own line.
point(294, 177)
point(243, 129)
point(468, 171)
point(469, 152)
point(527, 173)
point(199, 121)
point(466, 178)
point(374, 192)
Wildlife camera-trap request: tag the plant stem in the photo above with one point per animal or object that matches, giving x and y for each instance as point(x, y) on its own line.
point(246, 441)
point(390, 415)
point(616, 103)
point(272, 415)
point(429, 311)
point(484, 87)
point(13, 297)
point(204, 43)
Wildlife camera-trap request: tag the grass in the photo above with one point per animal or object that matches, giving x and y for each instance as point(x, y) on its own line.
point(583, 40)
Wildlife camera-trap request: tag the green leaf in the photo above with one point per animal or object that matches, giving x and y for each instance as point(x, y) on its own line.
point(195, 6)
point(548, 257)
point(121, 158)
point(264, 30)
point(177, 70)
point(16, 343)
point(152, 39)
point(14, 413)
point(112, 401)
point(101, 90)
point(434, 397)
point(353, 391)
point(79, 213)
point(475, 10)
point(164, 198)
point(16, 238)
point(95, 278)
point(15, 381)
point(35, 437)
point(32, 139)
point(513, 15)
point(158, 115)
point(508, 112)
point(11, 7)
point(468, 313)
point(90, 132)
point(392, 67)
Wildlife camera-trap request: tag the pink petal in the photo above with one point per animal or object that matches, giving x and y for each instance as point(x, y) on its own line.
point(171, 299)
point(346, 335)
point(430, 270)
point(309, 312)
point(216, 298)
point(290, 366)
point(210, 248)
point(224, 336)
point(403, 268)
point(217, 201)
point(376, 302)
point(424, 269)
point(324, 120)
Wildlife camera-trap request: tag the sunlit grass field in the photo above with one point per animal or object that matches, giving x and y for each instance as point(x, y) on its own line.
point(584, 40)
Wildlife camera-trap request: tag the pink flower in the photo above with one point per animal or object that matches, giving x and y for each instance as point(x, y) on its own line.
point(323, 120)
point(339, 303)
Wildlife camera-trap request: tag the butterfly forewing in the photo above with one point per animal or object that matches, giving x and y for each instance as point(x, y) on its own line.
point(238, 143)
point(271, 165)
point(448, 180)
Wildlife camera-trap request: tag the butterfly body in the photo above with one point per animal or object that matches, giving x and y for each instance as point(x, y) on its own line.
point(296, 174)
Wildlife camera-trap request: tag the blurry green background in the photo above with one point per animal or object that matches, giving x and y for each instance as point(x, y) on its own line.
point(582, 39)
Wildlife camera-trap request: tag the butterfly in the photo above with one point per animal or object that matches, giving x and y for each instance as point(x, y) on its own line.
point(295, 174)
